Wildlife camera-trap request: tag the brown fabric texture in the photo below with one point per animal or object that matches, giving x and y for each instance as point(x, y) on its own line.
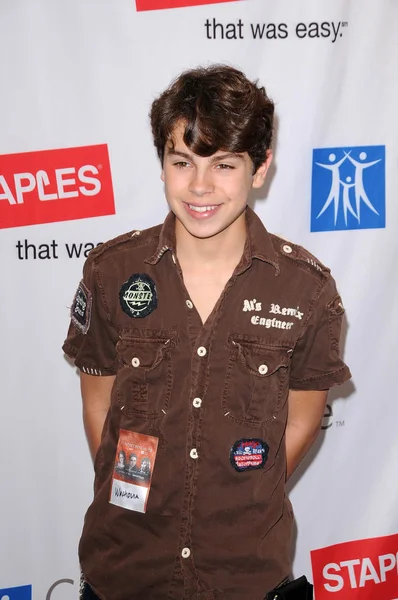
point(275, 327)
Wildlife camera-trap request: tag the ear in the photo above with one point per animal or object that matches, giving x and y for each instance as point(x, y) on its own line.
point(162, 175)
point(260, 174)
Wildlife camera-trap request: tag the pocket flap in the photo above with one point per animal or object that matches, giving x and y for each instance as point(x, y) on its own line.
point(261, 359)
point(143, 351)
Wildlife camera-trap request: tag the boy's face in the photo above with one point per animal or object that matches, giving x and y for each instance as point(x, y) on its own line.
point(208, 194)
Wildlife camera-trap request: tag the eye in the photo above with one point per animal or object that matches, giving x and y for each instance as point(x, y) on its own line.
point(224, 167)
point(181, 164)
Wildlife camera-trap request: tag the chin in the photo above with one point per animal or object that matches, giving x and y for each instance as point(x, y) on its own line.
point(204, 232)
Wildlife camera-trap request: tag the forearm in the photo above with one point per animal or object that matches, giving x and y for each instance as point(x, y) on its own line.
point(298, 441)
point(96, 395)
point(93, 425)
point(306, 409)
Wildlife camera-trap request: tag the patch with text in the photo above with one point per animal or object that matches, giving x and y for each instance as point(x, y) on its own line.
point(138, 297)
point(80, 312)
point(248, 453)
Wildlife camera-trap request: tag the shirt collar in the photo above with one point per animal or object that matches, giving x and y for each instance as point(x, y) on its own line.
point(166, 240)
point(258, 243)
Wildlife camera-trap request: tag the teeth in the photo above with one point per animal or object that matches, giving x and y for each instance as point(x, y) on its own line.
point(201, 209)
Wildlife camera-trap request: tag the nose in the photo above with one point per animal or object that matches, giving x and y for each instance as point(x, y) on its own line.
point(201, 183)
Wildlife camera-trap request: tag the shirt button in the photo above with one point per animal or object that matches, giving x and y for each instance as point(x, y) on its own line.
point(263, 369)
point(197, 402)
point(135, 362)
point(202, 351)
point(174, 258)
point(193, 453)
point(186, 553)
point(288, 249)
point(189, 304)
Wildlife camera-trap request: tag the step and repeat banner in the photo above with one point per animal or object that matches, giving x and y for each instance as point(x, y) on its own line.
point(77, 167)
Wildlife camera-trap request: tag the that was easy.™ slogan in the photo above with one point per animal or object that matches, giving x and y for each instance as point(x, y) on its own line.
point(53, 250)
point(240, 30)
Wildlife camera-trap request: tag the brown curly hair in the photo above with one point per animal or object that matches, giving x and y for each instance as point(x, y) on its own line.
point(222, 110)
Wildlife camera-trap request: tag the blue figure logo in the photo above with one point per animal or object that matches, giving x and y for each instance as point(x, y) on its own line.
point(23, 592)
point(348, 188)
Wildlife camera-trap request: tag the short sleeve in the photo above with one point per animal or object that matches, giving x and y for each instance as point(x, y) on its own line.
point(91, 340)
point(316, 360)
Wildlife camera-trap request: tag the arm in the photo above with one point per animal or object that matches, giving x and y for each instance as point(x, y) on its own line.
point(96, 395)
point(306, 409)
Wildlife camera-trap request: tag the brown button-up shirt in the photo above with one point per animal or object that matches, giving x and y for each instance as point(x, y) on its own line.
point(217, 524)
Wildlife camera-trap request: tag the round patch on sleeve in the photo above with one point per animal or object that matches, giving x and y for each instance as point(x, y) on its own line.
point(249, 453)
point(138, 296)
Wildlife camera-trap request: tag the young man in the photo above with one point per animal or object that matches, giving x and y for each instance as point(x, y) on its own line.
point(212, 344)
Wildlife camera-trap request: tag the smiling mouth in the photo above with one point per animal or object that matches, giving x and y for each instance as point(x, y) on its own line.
point(203, 209)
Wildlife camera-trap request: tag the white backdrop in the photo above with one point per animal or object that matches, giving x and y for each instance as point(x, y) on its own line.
point(84, 73)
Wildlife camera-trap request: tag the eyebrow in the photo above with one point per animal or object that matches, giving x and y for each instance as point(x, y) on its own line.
point(214, 159)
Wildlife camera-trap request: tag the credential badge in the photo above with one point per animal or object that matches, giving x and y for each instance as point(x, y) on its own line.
point(248, 453)
point(138, 296)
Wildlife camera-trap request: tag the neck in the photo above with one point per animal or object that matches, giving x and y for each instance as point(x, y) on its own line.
point(224, 248)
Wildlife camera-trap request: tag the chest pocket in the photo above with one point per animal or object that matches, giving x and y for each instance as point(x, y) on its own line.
point(144, 378)
point(256, 380)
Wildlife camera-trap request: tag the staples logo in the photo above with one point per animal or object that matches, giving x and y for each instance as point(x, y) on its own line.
point(360, 570)
point(160, 4)
point(55, 185)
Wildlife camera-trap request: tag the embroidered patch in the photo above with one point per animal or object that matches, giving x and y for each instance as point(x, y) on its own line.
point(248, 454)
point(80, 311)
point(138, 296)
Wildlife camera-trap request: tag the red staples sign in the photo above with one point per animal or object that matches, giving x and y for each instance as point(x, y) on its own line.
point(361, 570)
point(55, 185)
point(159, 4)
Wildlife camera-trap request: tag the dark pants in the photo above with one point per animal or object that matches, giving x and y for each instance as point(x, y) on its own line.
point(88, 593)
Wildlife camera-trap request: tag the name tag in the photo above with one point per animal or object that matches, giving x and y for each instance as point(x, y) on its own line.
point(132, 472)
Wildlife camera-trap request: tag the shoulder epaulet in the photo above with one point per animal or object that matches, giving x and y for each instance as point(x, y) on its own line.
point(301, 255)
point(134, 237)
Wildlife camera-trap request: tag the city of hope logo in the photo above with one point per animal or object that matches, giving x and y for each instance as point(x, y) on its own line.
point(358, 570)
point(160, 4)
point(23, 592)
point(348, 188)
point(55, 185)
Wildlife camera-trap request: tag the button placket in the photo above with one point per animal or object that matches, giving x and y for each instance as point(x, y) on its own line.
point(200, 337)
